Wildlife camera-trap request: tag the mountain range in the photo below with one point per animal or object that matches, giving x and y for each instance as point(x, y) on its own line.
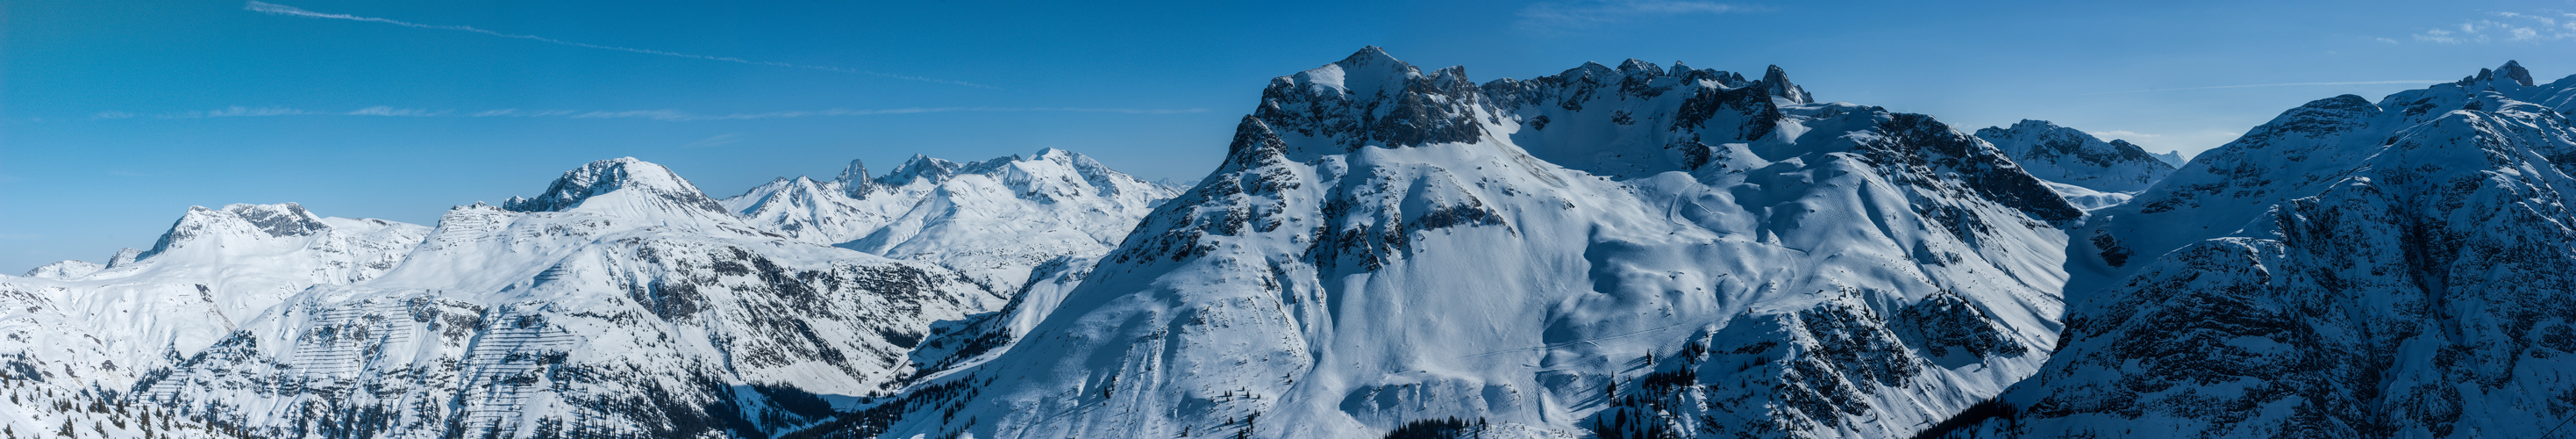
point(1638, 251)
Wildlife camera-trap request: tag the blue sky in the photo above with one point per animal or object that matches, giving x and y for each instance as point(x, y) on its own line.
point(117, 115)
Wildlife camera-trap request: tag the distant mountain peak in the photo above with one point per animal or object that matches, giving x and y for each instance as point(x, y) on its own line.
point(1371, 55)
point(1633, 66)
point(2077, 158)
point(1778, 81)
point(2513, 70)
point(2509, 73)
point(281, 220)
point(919, 168)
point(611, 175)
point(854, 180)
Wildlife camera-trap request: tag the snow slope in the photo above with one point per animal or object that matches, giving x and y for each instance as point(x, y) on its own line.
point(994, 220)
point(2350, 269)
point(1604, 251)
point(622, 301)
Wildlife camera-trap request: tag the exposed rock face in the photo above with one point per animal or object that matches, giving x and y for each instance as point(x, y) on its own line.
point(1613, 251)
point(2351, 269)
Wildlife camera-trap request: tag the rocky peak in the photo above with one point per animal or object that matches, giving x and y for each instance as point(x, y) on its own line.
point(2510, 73)
point(2513, 70)
point(1369, 72)
point(854, 180)
point(1373, 99)
point(921, 168)
point(1635, 66)
point(605, 176)
point(1778, 84)
point(1722, 78)
point(282, 220)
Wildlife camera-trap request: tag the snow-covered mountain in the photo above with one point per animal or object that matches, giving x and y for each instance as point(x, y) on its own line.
point(1611, 251)
point(2350, 269)
point(994, 220)
point(621, 301)
point(104, 324)
point(2065, 155)
point(2173, 158)
point(77, 333)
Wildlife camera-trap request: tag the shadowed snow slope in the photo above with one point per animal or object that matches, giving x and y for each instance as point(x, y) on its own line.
point(1613, 250)
point(993, 220)
point(2351, 269)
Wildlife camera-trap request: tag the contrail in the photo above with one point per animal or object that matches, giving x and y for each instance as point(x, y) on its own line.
point(278, 9)
point(2294, 84)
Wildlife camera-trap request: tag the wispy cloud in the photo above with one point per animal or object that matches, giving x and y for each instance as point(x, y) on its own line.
point(1566, 15)
point(381, 110)
point(660, 115)
point(233, 111)
point(2506, 26)
point(291, 11)
point(2294, 84)
point(717, 140)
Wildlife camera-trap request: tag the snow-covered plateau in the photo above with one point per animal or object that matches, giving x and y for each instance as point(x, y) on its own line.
point(1638, 251)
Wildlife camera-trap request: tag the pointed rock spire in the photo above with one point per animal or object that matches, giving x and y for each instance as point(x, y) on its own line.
point(2513, 70)
point(854, 180)
point(1778, 82)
